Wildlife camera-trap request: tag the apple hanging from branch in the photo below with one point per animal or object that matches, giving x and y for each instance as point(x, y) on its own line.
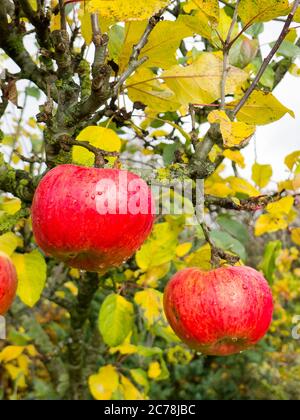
point(8, 283)
point(92, 219)
point(221, 312)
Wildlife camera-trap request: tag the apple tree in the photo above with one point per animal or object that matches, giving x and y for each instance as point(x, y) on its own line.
point(170, 90)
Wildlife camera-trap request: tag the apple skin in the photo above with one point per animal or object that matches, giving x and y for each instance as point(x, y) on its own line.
point(8, 283)
point(221, 312)
point(68, 226)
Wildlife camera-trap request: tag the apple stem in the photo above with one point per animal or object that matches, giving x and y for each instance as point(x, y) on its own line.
point(217, 254)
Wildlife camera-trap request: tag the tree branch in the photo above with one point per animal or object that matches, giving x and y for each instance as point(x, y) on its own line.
point(134, 61)
point(268, 59)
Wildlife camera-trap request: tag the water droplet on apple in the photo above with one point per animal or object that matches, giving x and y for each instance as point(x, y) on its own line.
point(99, 193)
point(245, 287)
point(87, 194)
point(199, 353)
point(93, 197)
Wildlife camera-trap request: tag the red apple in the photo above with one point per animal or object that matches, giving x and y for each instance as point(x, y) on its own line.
point(8, 283)
point(221, 312)
point(92, 219)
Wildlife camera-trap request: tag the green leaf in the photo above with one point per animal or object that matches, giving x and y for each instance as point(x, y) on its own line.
point(115, 319)
point(233, 227)
point(228, 243)
point(268, 264)
point(288, 49)
point(32, 274)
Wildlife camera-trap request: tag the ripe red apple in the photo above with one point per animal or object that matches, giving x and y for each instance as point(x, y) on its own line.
point(8, 283)
point(221, 312)
point(92, 219)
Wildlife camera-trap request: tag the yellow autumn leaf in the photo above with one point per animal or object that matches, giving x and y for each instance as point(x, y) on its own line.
point(183, 249)
point(124, 10)
point(17, 374)
point(10, 353)
point(100, 137)
point(154, 370)
point(210, 8)
point(199, 83)
point(9, 242)
point(104, 383)
point(295, 235)
point(144, 87)
point(11, 205)
point(261, 10)
point(150, 301)
point(159, 249)
point(32, 273)
point(262, 108)
point(129, 391)
point(242, 186)
point(281, 207)
point(269, 223)
point(153, 275)
point(261, 174)
point(55, 24)
point(234, 133)
point(292, 159)
point(200, 258)
point(235, 156)
point(125, 348)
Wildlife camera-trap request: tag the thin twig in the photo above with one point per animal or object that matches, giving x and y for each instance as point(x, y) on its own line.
point(226, 48)
point(268, 59)
point(134, 61)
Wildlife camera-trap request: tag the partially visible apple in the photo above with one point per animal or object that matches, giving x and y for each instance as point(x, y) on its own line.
point(221, 312)
point(8, 283)
point(92, 219)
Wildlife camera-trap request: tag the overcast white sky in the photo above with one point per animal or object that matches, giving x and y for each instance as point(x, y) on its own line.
point(273, 142)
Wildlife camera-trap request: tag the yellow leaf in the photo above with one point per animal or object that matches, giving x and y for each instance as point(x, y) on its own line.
point(144, 87)
point(262, 108)
point(242, 186)
point(10, 353)
point(210, 8)
point(200, 258)
point(150, 301)
point(55, 24)
point(9, 242)
point(268, 223)
point(130, 392)
point(153, 275)
point(17, 375)
point(281, 207)
point(11, 205)
point(183, 249)
point(261, 174)
point(104, 383)
point(234, 133)
point(261, 10)
point(159, 249)
point(32, 273)
point(154, 370)
point(124, 10)
point(125, 348)
point(235, 156)
point(86, 25)
point(295, 237)
point(292, 159)
point(100, 137)
point(200, 82)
